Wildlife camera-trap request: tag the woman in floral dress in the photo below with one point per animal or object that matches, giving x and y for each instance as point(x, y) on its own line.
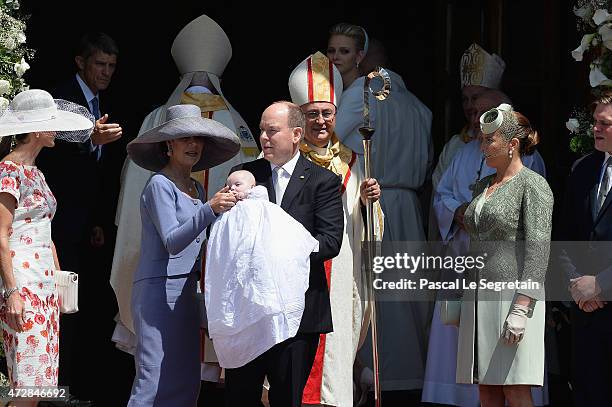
point(29, 309)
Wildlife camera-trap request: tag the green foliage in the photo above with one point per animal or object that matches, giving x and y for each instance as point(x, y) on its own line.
point(14, 53)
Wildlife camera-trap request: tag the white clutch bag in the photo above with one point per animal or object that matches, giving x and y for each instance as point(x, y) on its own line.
point(68, 291)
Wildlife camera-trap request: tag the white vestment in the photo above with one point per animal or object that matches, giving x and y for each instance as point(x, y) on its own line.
point(331, 377)
point(446, 156)
point(252, 302)
point(466, 167)
point(401, 158)
point(133, 180)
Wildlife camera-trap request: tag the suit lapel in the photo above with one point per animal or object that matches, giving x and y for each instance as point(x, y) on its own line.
point(300, 176)
point(79, 95)
point(603, 209)
point(593, 200)
point(266, 179)
point(598, 161)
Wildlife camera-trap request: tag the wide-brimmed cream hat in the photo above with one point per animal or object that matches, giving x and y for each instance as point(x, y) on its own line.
point(220, 143)
point(35, 110)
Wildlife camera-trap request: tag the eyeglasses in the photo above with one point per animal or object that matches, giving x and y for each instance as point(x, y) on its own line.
point(327, 115)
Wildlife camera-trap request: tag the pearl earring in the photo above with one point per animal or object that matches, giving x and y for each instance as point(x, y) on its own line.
point(511, 153)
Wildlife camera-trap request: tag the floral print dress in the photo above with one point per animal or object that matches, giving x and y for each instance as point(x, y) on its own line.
point(32, 356)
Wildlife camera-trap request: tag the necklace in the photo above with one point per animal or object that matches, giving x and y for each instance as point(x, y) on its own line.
point(187, 187)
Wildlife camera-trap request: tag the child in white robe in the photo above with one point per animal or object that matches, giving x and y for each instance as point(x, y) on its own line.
point(257, 270)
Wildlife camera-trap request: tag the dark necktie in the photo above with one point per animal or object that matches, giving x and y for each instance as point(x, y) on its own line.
point(95, 107)
point(605, 184)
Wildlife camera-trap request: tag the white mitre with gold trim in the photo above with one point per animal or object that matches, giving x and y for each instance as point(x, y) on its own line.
point(480, 68)
point(315, 79)
point(201, 46)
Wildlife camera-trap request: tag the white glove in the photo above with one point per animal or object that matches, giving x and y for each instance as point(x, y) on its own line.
point(514, 327)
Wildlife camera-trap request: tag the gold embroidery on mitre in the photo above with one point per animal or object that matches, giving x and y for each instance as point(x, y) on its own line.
point(321, 81)
point(473, 65)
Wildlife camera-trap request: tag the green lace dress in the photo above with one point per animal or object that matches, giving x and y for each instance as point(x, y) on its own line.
point(512, 225)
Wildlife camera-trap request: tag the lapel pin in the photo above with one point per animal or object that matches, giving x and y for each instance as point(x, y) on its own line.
point(301, 177)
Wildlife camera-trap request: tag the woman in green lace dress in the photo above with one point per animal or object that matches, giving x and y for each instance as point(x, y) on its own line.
point(501, 334)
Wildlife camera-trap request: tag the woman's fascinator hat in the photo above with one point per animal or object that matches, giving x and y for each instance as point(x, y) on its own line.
point(220, 143)
point(35, 110)
point(500, 118)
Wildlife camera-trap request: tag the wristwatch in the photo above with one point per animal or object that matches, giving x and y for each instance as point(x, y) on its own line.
point(8, 292)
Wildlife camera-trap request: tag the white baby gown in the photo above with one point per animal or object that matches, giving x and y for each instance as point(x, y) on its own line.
point(257, 270)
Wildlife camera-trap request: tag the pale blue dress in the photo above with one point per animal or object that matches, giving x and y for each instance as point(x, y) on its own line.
point(165, 307)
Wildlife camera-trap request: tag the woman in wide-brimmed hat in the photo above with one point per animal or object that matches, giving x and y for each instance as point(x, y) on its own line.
point(165, 308)
point(29, 311)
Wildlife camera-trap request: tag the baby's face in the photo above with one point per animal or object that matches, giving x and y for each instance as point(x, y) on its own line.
point(240, 184)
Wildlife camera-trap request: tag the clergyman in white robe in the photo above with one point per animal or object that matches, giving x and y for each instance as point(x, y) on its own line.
point(401, 157)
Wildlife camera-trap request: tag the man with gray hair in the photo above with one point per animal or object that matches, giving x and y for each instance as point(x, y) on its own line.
point(311, 195)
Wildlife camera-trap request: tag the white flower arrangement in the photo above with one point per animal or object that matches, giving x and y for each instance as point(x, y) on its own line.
point(580, 126)
point(595, 23)
point(13, 51)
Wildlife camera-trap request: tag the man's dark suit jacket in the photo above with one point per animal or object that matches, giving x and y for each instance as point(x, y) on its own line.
point(591, 331)
point(579, 222)
point(86, 189)
point(312, 197)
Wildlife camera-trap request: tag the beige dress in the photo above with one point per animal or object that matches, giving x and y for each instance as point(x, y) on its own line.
point(520, 210)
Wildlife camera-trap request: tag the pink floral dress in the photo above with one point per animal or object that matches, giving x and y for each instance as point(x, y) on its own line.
point(32, 356)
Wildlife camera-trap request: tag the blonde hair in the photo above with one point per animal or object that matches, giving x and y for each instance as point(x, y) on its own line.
point(355, 32)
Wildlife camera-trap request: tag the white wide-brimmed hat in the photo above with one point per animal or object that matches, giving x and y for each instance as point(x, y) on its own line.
point(35, 110)
point(220, 143)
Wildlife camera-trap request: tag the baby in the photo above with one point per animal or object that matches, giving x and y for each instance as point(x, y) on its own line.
point(242, 184)
point(257, 272)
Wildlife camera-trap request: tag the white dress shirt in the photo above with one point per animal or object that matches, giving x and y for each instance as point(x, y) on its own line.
point(282, 175)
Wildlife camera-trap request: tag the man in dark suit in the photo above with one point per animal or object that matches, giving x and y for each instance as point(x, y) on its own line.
point(587, 216)
point(82, 177)
point(311, 194)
